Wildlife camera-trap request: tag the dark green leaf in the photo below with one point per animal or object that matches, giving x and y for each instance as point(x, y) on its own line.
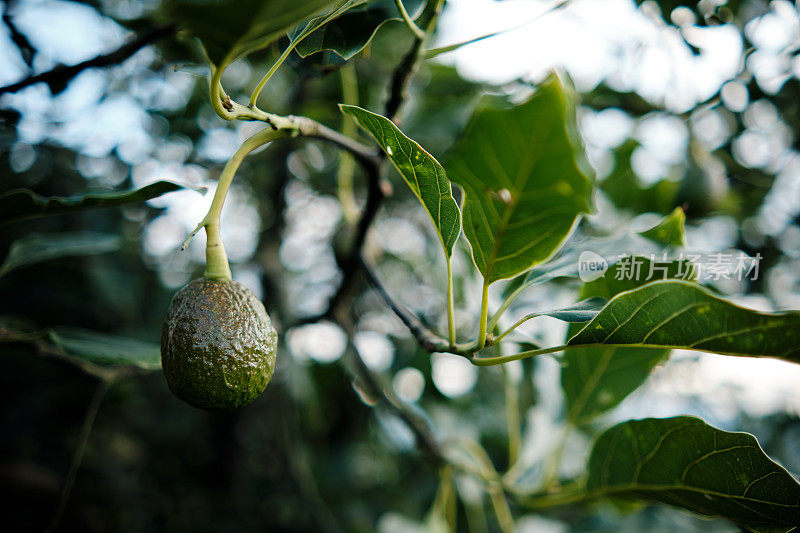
point(670, 231)
point(107, 350)
point(597, 379)
point(230, 29)
point(421, 171)
point(349, 33)
point(19, 204)
point(685, 462)
point(523, 187)
point(36, 247)
point(317, 27)
point(678, 314)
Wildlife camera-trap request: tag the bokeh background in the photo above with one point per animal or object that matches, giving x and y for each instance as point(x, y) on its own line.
point(693, 104)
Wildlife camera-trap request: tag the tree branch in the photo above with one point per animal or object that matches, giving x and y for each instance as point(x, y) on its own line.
point(366, 155)
point(26, 49)
point(351, 265)
point(426, 338)
point(426, 438)
point(408, 66)
point(62, 74)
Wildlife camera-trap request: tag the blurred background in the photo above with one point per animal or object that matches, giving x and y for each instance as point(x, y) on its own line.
point(683, 103)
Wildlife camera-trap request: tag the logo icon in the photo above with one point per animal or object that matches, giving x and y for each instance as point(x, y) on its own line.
point(591, 266)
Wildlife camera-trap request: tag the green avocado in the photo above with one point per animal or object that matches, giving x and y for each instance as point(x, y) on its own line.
point(218, 347)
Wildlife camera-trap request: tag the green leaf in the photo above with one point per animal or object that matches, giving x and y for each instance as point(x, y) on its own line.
point(20, 204)
point(37, 248)
point(230, 29)
point(317, 27)
point(421, 171)
point(678, 314)
point(670, 231)
point(683, 461)
point(106, 350)
point(597, 379)
point(523, 188)
point(350, 33)
point(579, 312)
point(582, 311)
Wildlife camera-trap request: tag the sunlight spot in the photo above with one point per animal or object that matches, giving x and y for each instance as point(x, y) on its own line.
point(323, 342)
point(409, 383)
point(453, 375)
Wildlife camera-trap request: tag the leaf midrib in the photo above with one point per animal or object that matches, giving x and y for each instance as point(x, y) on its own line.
point(522, 176)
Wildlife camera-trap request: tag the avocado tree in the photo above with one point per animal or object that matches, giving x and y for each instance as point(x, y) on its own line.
point(497, 180)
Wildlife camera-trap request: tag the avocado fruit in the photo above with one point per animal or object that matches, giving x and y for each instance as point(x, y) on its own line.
point(218, 347)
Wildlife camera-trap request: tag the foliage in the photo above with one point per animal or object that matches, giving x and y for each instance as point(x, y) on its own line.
point(88, 288)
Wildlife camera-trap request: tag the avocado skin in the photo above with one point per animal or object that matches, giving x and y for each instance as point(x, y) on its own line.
point(218, 347)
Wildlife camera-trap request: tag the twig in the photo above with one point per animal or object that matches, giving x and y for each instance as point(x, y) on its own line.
point(350, 266)
point(449, 48)
point(426, 338)
point(426, 439)
point(408, 66)
point(86, 430)
point(418, 33)
point(26, 49)
point(367, 155)
point(64, 73)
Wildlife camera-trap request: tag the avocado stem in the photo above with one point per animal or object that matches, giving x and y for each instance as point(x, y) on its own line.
point(217, 266)
point(216, 258)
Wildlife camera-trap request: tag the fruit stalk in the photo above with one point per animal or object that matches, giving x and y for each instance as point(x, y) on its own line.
point(216, 259)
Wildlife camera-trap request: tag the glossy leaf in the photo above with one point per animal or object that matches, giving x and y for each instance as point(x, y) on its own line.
point(678, 314)
point(351, 32)
point(317, 27)
point(582, 311)
point(579, 312)
point(37, 248)
point(107, 350)
point(683, 461)
point(597, 379)
point(670, 231)
point(523, 187)
point(19, 204)
point(421, 171)
point(230, 29)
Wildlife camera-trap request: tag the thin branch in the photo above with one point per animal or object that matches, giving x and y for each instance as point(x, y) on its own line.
point(350, 266)
point(408, 66)
point(426, 438)
point(64, 73)
point(77, 458)
point(449, 48)
point(426, 338)
point(26, 49)
point(367, 155)
point(418, 33)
